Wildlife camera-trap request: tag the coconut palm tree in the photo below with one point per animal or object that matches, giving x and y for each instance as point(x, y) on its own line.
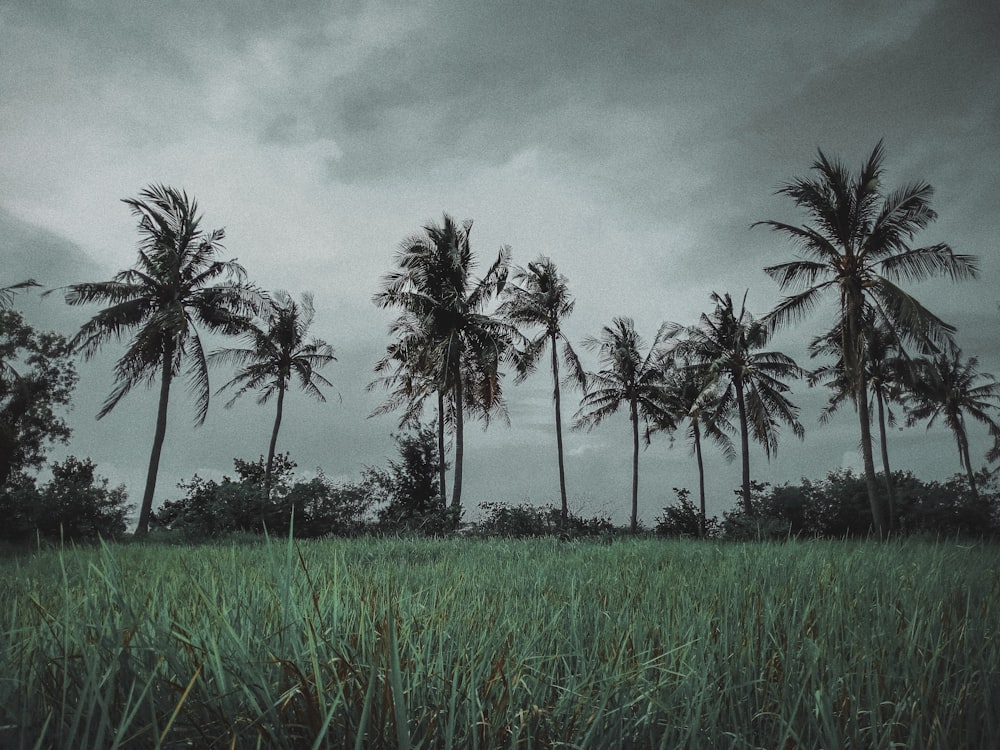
point(857, 249)
point(446, 341)
point(949, 388)
point(630, 377)
point(178, 284)
point(540, 298)
point(7, 292)
point(751, 382)
point(690, 394)
point(887, 372)
point(277, 352)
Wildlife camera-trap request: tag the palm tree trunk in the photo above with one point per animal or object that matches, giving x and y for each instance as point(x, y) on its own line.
point(634, 416)
point(963, 454)
point(745, 439)
point(559, 441)
point(441, 462)
point(142, 528)
point(852, 347)
point(701, 478)
point(889, 486)
point(456, 492)
point(269, 468)
point(874, 501)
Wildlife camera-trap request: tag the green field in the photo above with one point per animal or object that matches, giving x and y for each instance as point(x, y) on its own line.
point(460, 643)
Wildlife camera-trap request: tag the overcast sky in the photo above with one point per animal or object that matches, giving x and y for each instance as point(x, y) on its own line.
point(634, 143)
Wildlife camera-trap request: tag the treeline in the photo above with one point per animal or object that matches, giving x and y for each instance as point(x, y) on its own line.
point(457, 335)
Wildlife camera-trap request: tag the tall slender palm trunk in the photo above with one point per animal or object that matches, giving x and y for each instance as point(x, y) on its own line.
point(854, 354)
point(963, 452)
point(634, 416)
point(701, 478)
point(441, 462)
point(269, 468)
point(890, 486)
point(142, 528)
point(456, 491)
point(745, 438)
point(559, 440)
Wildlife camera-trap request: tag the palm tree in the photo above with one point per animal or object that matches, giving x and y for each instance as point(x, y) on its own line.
point(690, 392)
point(274, 355)
point(541, 298)
point(949, 388)
point(628, 377)
point(751, 381)
point(176, 284)
point(7, 292)
point(887, 371)
point(447, 342)
point(858, 248)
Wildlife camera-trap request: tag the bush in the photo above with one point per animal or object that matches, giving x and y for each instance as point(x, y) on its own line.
point(75, 505)
point(684, 519)
point(525, 520)
point(316, 507)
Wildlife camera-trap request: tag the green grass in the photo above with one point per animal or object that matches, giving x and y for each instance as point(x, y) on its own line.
point(381, 643)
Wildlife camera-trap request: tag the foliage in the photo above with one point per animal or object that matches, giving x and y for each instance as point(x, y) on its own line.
point(408, 493)
point(312, 508)
point(37, 377)
point(525, 520)
point(74, 505)
point(684, 519)
point(443, 644)
point(837, 507)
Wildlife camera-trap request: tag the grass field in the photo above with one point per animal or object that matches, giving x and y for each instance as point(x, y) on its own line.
point(460, 643)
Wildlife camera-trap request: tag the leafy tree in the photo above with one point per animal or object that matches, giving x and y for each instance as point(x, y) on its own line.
point(684, 520)
point(177, 284)
point(690, 395)
point(951, 389)
point(857, 249)
point(75, 505)
point(408, 490)
point(447, 343)
point(540, 298)
point(628, 377)
point(275, 354)
point(751, 382)
point(37, 377)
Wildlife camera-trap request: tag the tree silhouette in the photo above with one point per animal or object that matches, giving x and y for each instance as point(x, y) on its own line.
point(857, 250)
point(751, 382)
point(276, 353)
point(445, 339)
point(177, 284)
point(951, 389)
point(628, 377)
point(540, 298)
point(690, 395)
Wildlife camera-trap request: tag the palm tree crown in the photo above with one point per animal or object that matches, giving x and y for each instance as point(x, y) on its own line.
point(177, 285)
point(858, 248)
